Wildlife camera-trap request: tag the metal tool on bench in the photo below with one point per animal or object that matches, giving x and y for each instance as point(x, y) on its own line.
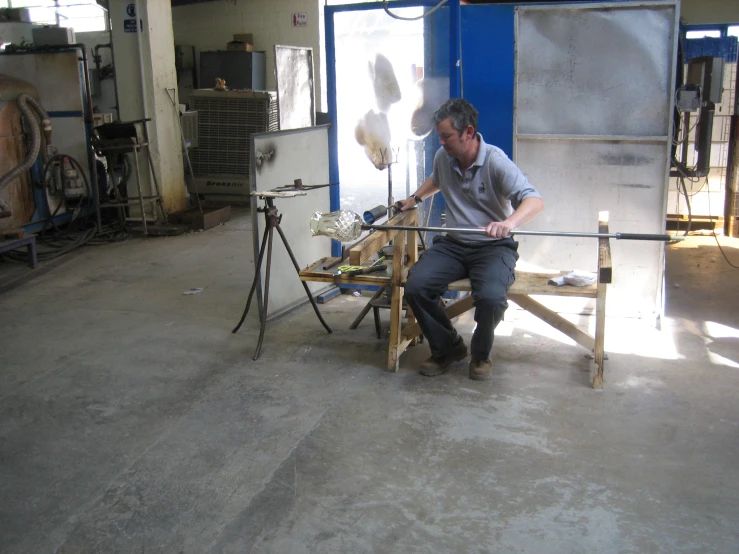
point(345, 268)
point(370, 216)
point(351, 271)
point(345, 226)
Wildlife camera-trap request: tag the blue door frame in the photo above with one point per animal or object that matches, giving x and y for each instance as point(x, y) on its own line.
point(454, 76)
point(482, 36)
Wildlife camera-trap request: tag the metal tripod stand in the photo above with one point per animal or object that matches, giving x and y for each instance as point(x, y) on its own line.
point(272, 220)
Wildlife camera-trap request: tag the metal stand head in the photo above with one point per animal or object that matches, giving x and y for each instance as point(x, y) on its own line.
point(272, 220)
point(393, 159)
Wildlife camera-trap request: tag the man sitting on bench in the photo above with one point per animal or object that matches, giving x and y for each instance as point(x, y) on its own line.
point(482, 188)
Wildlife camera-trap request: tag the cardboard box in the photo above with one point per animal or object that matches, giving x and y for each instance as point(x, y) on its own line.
point(238, 46)
point(245, 37)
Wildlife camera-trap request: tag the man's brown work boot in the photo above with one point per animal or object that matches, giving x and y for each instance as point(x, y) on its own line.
point(481, 370)
point(436, 365)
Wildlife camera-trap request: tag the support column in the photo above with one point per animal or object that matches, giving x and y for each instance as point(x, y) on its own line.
point(731, 204)
point(143, 50)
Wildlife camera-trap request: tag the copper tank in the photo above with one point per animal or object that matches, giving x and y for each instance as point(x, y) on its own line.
point(18, 194)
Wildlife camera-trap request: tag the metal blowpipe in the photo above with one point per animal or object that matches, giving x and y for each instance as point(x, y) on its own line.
point(346, 226)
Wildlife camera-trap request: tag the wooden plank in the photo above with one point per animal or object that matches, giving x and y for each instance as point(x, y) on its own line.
point(536, 284)
point(366, 248)
point(412, 238)
point(402, 345)
point(371, 279)
point(315, 273)
point(600, 333)
point(605, 265)
point(554, 319)
point(396, 308)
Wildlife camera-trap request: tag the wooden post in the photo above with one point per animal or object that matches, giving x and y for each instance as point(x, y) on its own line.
point(604, 278)
point(396, 306)
point(731, 209)
point(412, 238)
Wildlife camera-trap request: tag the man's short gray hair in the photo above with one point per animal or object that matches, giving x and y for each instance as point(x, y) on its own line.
point(462, 113)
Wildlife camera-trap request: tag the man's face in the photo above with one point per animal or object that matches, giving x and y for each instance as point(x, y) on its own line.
point(454, 142)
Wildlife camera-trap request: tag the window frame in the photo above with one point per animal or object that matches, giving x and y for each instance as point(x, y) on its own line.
point(722, 28)
point(61, 19)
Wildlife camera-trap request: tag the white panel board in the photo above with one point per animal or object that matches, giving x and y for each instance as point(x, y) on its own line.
point(294, 154)
point(577, 180)
point(295, 87)
point(592, 119)
point(595, 71)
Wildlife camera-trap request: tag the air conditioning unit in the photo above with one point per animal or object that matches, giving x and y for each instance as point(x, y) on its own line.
point(226, 121)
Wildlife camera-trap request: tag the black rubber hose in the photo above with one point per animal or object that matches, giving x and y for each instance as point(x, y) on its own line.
point(45, 119)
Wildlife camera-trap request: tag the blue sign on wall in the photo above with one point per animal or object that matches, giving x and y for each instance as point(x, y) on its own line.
point(129, 26)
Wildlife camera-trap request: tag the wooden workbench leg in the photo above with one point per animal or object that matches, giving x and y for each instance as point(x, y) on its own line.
point(412, 259)
point(396, 306)
point(396, 314)
point(600, 328)
point(410, 320)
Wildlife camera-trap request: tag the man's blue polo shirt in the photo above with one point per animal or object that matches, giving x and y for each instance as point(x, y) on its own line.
point(490, 190)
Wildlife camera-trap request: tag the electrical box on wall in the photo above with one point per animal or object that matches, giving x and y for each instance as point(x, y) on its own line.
point(688, 98)
point(708, 73)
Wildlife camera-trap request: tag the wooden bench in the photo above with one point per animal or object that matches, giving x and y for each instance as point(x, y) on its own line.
point(526, 286)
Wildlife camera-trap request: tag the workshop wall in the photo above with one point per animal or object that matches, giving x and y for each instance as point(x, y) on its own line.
point(210, 25)
point(699, 12)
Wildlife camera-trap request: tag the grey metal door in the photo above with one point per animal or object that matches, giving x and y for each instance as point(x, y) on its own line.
point(592, 129)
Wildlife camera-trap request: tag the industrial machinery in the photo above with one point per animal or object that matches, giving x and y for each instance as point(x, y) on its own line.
point(221, 162)
point(47, 180)
point(701, 92)
point(29, 159)
point(16, 194)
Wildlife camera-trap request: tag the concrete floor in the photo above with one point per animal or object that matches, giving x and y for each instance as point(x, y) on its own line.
point(132, 420)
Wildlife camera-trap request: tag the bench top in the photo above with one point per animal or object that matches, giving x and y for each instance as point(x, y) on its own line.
point(527, 282)
point(315, 273)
